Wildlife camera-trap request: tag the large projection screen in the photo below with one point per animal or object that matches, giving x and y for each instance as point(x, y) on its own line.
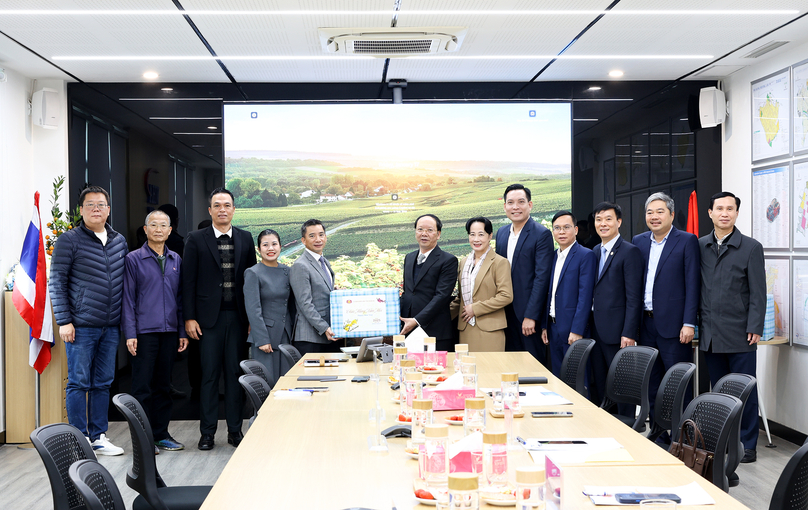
point(367, 171)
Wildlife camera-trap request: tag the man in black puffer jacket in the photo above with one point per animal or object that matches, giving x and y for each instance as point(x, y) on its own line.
point(86, 288)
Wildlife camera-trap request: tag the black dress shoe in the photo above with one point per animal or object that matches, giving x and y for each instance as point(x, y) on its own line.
point(749, 456)
point(206, 442)
point(235, 438)
point(175, 393)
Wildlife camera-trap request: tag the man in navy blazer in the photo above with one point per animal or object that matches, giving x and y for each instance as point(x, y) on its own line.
point(528, 246)
point(671, 292)
point(616, 299)
point(570, 298)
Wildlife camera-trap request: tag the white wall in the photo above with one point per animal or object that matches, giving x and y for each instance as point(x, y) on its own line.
point(782, 370)
point(30, 158)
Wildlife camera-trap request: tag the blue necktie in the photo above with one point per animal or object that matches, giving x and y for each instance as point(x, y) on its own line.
point(326, 271)
point(603, 254)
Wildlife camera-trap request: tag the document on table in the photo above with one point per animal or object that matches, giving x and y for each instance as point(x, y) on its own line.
point(535, 397)
point(564, 451)
point(691, 494)
point(415, 340)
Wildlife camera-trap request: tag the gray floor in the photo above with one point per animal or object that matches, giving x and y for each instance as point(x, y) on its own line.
point(24, 484)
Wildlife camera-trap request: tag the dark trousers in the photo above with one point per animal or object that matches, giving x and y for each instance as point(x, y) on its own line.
point(307, 347)
point(671, 352)
point(194, 366)
point(446, 344)
point(559, 344)
point(151, 378)
point(722, 364)
point(221, 348)
point(516, 341)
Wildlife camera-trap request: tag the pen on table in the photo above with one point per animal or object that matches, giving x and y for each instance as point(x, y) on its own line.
point(519, 438)
point(300, 389)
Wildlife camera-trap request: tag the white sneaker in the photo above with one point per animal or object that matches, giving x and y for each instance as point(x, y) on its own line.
point(102, 446)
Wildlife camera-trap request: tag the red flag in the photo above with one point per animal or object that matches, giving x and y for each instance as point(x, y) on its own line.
point(30, 295)
point(693, 215)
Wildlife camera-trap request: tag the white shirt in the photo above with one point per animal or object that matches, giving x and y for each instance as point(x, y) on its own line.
point(102, 236)
point(426, 255)
point(559, 265)
point(316, 256)
point(653, 263)
point(513, 239)
point(609, 246)
point(218, 233)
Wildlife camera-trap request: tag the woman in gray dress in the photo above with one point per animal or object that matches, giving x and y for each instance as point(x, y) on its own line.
point(270, 304)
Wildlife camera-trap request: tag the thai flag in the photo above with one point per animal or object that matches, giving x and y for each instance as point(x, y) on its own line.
point(31, 297)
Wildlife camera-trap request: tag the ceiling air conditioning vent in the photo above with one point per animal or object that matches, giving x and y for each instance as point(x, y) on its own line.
point(392, 42)
point(770, 46)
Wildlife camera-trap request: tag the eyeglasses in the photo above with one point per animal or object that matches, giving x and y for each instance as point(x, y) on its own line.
point(92, 205)
point(565, 228)
point(159, 225)
point(429, 231)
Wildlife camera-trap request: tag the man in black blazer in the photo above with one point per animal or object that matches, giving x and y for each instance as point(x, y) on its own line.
point(213, 308)
point(430, 275)
point(617, 298)
point(528, 246)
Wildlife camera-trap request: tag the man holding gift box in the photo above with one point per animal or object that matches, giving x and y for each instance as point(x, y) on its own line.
point(733, 305)
point(429, 279)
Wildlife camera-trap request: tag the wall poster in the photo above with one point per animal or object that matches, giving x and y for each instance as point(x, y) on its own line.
point(799, 87)
point(770, 199)
point(800, 335)
point(800, 225)
point(771, 116)
point(777, 284)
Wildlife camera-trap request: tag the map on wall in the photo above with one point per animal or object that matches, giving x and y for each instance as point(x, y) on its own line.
point(801, 301)
point(770, 215)
point(771, 108)
point(777, 285)
point(800, 88)
point(800, 205)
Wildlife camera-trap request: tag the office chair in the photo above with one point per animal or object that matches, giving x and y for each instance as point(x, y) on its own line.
point(143, 476)
point(741, 386)
point(290, 354)
point(60, 445)
point(670, 398)
point(716, 415)
point(254, 367)
point(791, 491)
point(627, 383)
point(257, 389)
point(96, 485)
point(573, 368)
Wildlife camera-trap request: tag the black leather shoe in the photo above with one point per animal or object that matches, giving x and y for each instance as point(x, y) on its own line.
point(235, 438)
point(206, 442)
point(749, 456)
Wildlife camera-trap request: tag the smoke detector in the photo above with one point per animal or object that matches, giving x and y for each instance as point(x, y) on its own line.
point(392, 42)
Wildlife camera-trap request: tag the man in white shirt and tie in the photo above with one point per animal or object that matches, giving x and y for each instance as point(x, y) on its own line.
point(312, 281)
point(616, 299)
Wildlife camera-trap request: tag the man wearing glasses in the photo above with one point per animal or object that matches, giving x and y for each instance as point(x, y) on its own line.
point(430, 275)
point(86, 287)
point(570, 298)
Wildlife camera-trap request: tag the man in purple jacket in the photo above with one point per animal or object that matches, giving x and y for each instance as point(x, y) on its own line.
point(153, 325)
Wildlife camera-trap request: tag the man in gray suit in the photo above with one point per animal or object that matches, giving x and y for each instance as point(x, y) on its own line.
point(733, 305)
point(312, 282)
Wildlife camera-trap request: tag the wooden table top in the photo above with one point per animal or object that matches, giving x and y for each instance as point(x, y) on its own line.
point(314, 453)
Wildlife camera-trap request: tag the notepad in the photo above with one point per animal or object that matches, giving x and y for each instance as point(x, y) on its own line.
point(691, 494)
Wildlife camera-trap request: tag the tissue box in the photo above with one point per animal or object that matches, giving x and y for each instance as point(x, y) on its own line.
point(552, 485)
point(449, 400)
point(361, 313)
point(419, 358)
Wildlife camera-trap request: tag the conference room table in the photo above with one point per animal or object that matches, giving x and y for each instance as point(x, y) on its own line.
point(314, 452)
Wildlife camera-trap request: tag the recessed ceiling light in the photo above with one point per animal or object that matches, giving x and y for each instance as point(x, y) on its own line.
point(593, 88)
point(166, 89)
point(150, 75)
point(616, 73)
point(585, 120)
point(211, 127)
point(425, 12)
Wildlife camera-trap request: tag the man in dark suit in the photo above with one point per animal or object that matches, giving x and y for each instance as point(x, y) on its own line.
point(570, 298)
point(671, 292)
point(213, 308)
point(430, 275)
point(733, 305)
point(528, 246)
point(312, 281)
point(616, 299)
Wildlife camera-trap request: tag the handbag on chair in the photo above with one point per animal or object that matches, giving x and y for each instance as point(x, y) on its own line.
point(692, 450)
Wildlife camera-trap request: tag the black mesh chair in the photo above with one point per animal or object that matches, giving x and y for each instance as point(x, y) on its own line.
point(741, 386)
point(716, 415)
point(670, 398)
point(96, 485)
point(791, 491)
point(143, 476)
point(627, 383)
point(257, 389)
point(573, 368)
point(60, 445)
point(290, 354)
point(254, 367)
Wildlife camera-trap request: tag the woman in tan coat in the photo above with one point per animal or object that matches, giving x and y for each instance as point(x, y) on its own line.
point(484, 280)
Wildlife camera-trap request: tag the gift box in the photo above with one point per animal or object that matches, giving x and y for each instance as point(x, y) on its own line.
point(419, 358)
point(362, 313)
point(769, 329)
point(450, 399)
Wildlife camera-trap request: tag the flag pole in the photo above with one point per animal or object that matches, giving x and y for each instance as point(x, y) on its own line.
point(37, 422)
